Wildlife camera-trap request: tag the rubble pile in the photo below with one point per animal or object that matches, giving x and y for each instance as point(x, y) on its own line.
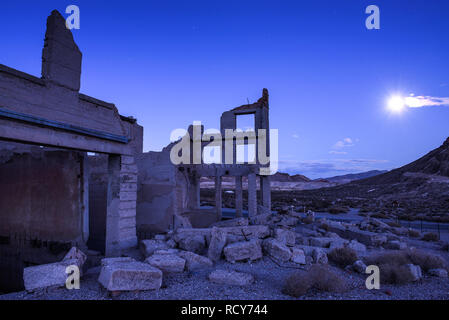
point(287, 238)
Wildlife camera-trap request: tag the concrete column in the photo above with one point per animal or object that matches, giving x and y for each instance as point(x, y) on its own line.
point(252, 195)
point(194, 192)
point(238, 192)
point(128, 199)
point(265, 191)
point(121, 205)
point(218, 196)
point(112, 211)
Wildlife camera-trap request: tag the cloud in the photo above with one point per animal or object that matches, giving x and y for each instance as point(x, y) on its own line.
point(295, 136)
point(344, 143)
point(425, 101)
point(330, 167)
point(337, 152)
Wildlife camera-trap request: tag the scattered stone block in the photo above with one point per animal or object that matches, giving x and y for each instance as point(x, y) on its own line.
point(359, 266)
point(357, 246)
point(196, 243)
point(78, 255)
point(298, 256)
point(47, 275)
point(415, 271)
point(285, 236)
point(246, 250)
point(319, 256)
point(129, 275)
point(148, 247)
point(232, 278)
point(276, 249)
point(195, 261)
point(237, 222)
point(217, 243)
point(167, 262)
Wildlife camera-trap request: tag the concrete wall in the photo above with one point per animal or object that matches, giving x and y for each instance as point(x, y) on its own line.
point(156, 193)
point(42, 207)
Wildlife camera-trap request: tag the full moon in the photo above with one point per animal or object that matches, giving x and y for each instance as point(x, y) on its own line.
point(396, 104)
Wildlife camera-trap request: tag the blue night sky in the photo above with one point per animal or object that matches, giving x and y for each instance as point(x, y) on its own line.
point(169, 63)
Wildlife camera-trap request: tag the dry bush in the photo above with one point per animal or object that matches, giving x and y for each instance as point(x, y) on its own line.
point(394, 274)
point(414, 233)
point(426, 260)
point(430, 236)
point(392, 264)
point(393, 224)
point(343, 256)
point(392, 258)
point(324, 279)
point(319, 277)
point(297, 284)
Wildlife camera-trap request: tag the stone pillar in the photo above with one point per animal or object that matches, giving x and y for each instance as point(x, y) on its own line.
point(265, 191)
point(194, 192)
point(238, 192)
point(121, 205)
point(252, 195)
point(112, 209)
point(128, 199)
point(218, 196)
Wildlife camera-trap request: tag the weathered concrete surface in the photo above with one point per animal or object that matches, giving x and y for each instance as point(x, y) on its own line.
point(195, 261)
point(148, 247)
point(167, 262)
point(232, 278)
point(216, 243)
point(276, 249)
point(47, 275)
point(298, 256)
point(246, 250)
point(129, 275)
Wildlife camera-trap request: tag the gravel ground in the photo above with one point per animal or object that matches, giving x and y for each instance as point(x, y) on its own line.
point(268, 285)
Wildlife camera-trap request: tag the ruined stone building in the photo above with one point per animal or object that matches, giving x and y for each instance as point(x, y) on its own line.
point(169, 195)
point(72, 171)
point(52, 194)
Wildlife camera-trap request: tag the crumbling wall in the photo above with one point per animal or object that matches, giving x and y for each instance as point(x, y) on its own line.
point(42, 207)
point(156, 193)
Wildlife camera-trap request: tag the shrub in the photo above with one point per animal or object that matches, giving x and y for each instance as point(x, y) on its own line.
point(392, 258)
point(319, 277)
point(394, 274)
point(392, 264)
point(430, 236)
point(343, 256)
point(426, 260)
point(414, 233)
point(324, 279)
point(297, 284)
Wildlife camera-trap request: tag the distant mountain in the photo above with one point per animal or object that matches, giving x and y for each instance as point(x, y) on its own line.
point(436, 163)
point(355, 176)
point(418, 190)
point(285, 177)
